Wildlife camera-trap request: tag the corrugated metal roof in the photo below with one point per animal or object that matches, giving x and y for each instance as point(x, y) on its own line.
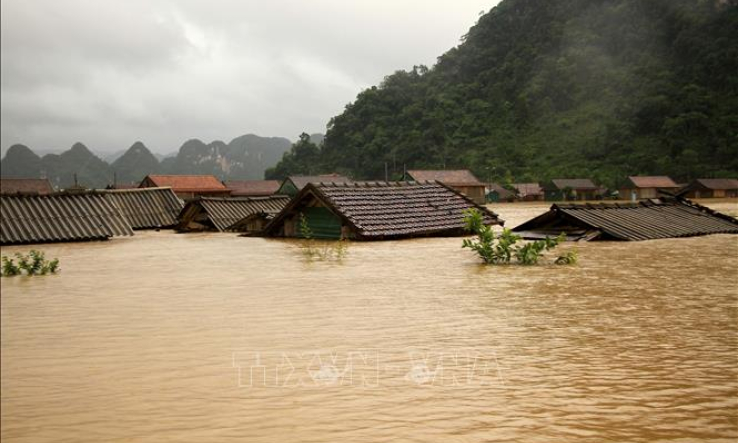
point(300, 181)
point(457, 177)
point(390, 210)
point(25, 186)
point(225, 212)
point(718, 183)
point(646, 220)
point(653, 182)
point(526, 189)
point(147, 208)
point(59, 217)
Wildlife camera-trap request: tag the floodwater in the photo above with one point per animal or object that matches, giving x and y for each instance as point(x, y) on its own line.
point(214, 338)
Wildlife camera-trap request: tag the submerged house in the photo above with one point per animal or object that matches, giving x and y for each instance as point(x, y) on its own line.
point(60, 217)
point(528, 191)
point(294, 183)
point(497, 193)
point(376, 211)
point(221, 214)
point(667, 217)
point(147, 208)
point(461, 180)
point(26, 186)
point(711, 188)
point(187, 187)
point(252, 188)
point(571, 189)
point(638, 188)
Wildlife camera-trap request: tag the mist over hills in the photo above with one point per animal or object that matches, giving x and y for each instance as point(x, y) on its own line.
point(245, 157)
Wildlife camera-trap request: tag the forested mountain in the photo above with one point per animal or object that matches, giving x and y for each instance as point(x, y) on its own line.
point(561, 88)
point(245, 157)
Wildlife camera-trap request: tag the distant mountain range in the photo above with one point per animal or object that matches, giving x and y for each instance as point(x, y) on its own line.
point(245, 157)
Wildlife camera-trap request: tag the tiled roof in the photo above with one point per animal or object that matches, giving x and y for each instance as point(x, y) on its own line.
point(25, 186)
point(59, 217)
point(502, 192)
point(458, 177)
point(188, 183)
point(718, 183)
point(574, 183)
point(649, 219)
point(252, 188)
point(653, 182)
point(391, 210)
point(300, 181)
point(225, 212)
point(525, 189)
point(147, 207)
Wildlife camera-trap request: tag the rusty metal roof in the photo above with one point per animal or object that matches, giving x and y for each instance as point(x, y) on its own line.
point(382, 210)
point(525, 189)
point(716, 183)
point(224, 212)
point(40, 186)
point(252, 188)
point(59, 217)
point(574, 183)
point(649, 219)
point(147, 208)
point(458, 177)
point(653, 182)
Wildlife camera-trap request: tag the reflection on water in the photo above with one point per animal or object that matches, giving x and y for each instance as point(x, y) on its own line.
point(214, 337)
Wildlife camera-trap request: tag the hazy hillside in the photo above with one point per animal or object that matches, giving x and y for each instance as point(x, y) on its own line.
point(563, 88)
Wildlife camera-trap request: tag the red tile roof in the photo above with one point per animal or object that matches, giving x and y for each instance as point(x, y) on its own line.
point(459, 177)
point(187, 183)
point(653, 182)
point(252, 188)
point(40, 186)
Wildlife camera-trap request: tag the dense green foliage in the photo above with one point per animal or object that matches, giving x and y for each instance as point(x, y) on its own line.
point(301, 159)
point(558, 89)
point(500, 249)
point(34, 263)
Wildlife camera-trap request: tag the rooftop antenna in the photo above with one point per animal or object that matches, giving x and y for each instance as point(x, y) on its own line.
point(76, 185)
point(386, 174)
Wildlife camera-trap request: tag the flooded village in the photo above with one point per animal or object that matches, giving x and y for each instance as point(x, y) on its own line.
point(222, 336)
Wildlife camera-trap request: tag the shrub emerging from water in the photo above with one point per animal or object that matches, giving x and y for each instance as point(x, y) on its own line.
point(503, 248)
point(34, 263)
point(324, 251)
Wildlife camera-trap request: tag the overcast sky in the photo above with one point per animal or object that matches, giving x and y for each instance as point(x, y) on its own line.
point(110, 72)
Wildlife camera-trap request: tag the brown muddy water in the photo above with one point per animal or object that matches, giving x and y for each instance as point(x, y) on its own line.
point(214, 338)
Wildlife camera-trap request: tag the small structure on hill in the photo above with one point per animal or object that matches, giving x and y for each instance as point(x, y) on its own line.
point(461, 180)
point(60, 217)
point(711, 188)
point(294, 183)
point(638, 188)
point(376, 211)
point(220, 214)
point(252, 188)
point(571, 189)
point(147, 208)
point(666, 217)
point(26, 186)
point(187, 187)
point(528, 191)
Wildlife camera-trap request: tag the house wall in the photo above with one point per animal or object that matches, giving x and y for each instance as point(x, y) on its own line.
point(475, 193)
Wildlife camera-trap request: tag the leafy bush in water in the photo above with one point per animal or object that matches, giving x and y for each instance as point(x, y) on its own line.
point(501, 249)
point(324, 251)
point(34, 263)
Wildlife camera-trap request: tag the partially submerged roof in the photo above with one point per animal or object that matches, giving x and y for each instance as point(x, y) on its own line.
point(59, 217)
point(40, 186)
point(500, 190)
point(252, 188)
point(458, 177)
point(574, 183)
point(187, 183)
point(716, 183)
point(526, 189)
point(147, 208)
point(382, 210)
point(653, 182)
point(300, 181)
point(649, 219)
point(223, 212)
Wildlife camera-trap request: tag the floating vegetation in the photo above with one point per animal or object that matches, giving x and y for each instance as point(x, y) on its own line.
point(34, 263)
